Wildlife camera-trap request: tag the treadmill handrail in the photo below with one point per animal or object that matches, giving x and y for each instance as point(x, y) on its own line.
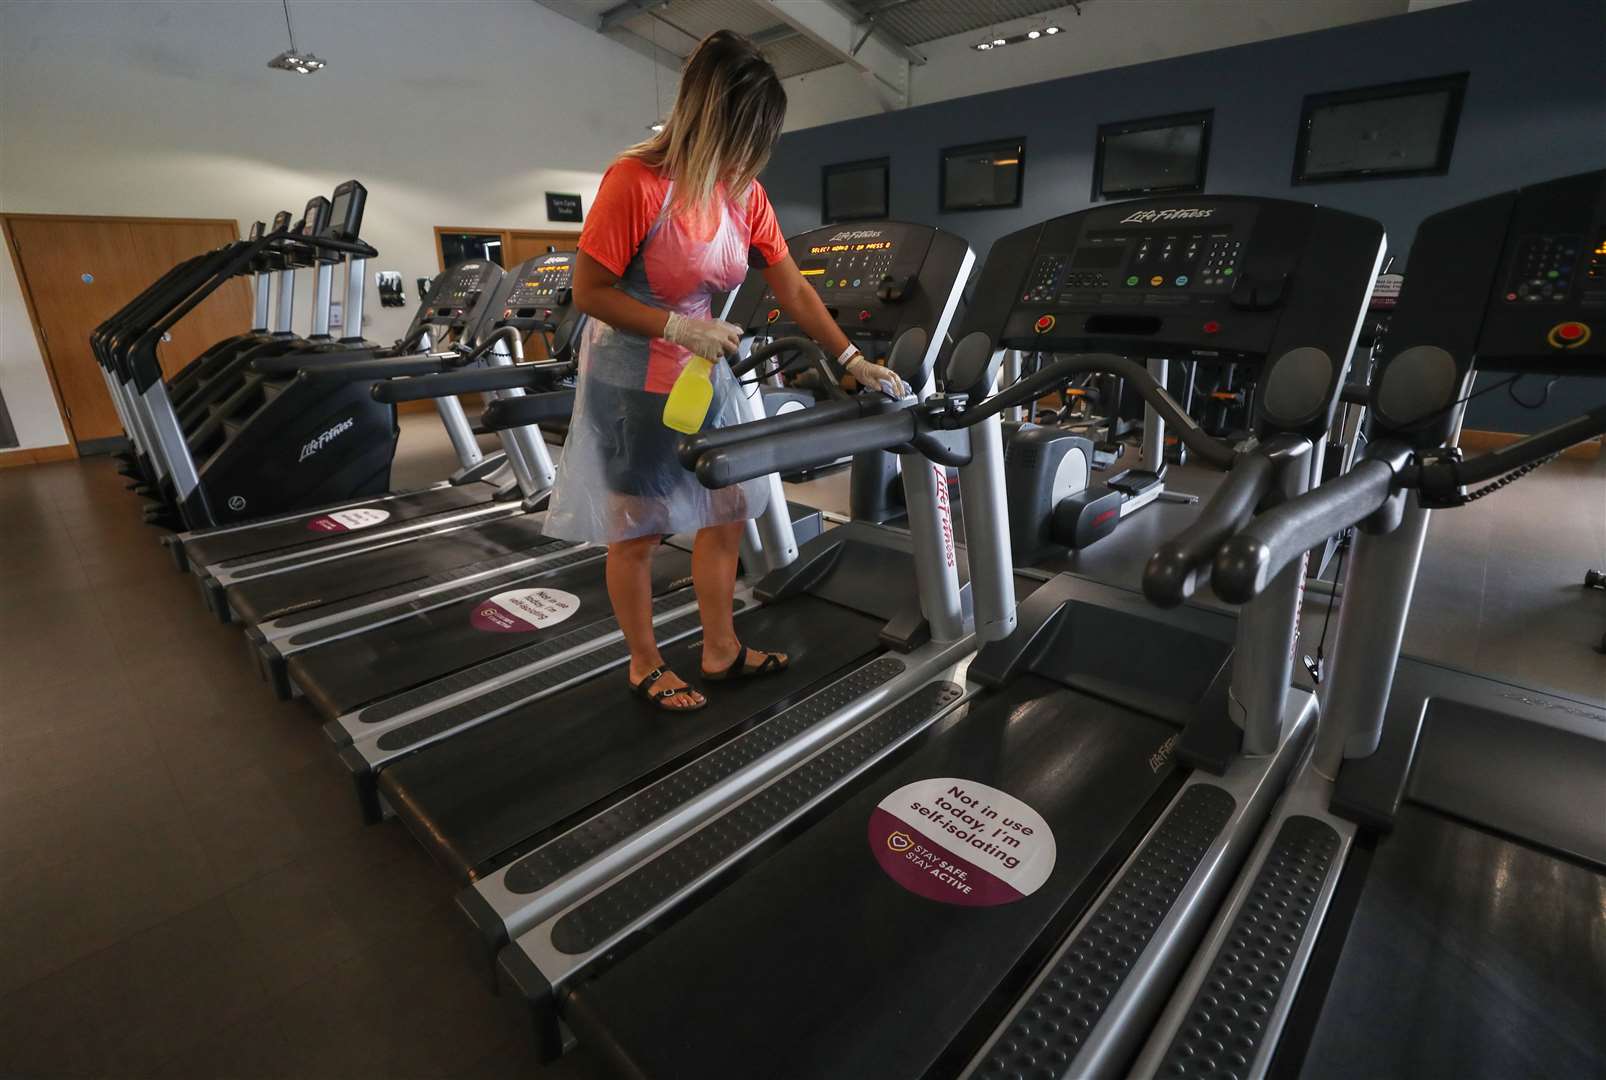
point(471, 380)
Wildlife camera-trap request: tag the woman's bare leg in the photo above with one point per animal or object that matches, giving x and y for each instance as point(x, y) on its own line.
point(629, 573)
point(713, 572)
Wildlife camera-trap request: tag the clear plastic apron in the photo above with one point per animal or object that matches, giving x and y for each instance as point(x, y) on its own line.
point(619, 477)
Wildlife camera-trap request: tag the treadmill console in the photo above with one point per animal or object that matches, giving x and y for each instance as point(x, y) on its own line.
point(281, 221)
point(537, 296)
point(1513, 283)
point(345, 213)
point(258, 230)
point(458, 300)
point(1231, 278)
point(877, 279)
point(314, 220)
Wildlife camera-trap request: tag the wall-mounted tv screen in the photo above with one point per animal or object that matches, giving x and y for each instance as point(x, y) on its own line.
point(855, 191)
point(1161, 155)
point(1403, 129)
point(982, 176)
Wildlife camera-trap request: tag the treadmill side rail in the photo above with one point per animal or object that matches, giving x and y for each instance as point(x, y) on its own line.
point(1299, 859)
point(1159, 905)
point(590, 930)
point(605, 848)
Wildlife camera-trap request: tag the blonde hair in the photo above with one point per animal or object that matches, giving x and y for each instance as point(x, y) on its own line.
point(727, 116)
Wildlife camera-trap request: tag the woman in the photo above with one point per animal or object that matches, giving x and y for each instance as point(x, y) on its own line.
point(677, 219)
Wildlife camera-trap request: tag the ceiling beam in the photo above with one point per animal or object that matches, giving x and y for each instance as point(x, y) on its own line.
point(884, 63)
point(620, 13)
point(578, 12)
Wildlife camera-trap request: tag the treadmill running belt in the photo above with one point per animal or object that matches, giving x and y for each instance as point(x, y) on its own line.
point(352, 671)
point(293, 532)
point(340, 579)
point(1468, 956)
point(508, 783)
point(816, 963)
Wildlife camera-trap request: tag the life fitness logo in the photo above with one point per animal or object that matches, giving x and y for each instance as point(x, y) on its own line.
point(318, 442)
point(939, 477)
point(1141, 217)
point(855, 234)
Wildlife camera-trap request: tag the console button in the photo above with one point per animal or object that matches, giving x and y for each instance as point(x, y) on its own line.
point(1044, 324)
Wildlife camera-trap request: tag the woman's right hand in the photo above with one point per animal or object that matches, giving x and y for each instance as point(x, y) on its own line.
point(711, 338)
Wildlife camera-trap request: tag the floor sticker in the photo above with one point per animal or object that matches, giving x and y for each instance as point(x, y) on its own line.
point(960, 842)
point(519, 611)
point(339, 521)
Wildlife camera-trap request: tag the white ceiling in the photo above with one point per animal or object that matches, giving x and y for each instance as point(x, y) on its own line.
point(848, 57)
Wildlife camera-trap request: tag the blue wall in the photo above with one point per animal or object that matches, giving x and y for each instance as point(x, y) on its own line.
point(1535, 109)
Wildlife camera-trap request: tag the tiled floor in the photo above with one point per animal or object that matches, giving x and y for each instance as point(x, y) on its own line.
point(185, 889)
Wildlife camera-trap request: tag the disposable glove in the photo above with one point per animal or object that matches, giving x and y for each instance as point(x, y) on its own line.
point(712, 338)
point(875, 377)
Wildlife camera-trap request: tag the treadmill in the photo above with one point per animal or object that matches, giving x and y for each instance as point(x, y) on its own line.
point(480, 779)
point(305, 560)
point(1444, 845)
point(1091, 799)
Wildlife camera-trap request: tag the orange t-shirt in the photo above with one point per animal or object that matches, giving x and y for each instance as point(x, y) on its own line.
point(629, 201)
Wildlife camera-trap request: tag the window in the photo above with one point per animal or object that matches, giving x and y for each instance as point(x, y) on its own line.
point(982, 176)
point(1402, 129)
point(459, 247)
point(1160, 155)
point(855, 191)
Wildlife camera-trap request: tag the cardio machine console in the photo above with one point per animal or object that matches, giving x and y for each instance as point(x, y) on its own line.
point(1548, 312)
point(459, 300)
point(345, 212)
point(1222, 277)
point(877, 279)
point(538, 296)
point(1234, 278)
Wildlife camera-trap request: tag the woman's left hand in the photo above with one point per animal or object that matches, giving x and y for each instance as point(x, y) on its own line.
point(875, 377)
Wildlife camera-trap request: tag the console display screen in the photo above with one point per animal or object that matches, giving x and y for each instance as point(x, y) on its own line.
point(1107, 257)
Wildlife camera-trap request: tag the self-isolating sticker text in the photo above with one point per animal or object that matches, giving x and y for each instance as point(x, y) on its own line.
point(519, 611)
point(961, 842)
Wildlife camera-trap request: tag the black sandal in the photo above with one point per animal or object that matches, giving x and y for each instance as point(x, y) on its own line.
point(772, 664)
point(660, 698)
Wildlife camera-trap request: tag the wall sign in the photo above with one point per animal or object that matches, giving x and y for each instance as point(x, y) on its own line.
point(563, 207)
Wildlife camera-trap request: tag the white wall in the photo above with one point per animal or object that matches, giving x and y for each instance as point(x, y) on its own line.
point(1108, 34)
point(452, 113)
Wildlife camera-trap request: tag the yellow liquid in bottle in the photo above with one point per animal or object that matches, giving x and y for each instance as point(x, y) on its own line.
point(690, 397)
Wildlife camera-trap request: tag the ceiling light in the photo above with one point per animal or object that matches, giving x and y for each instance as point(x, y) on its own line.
point(300, 63)
point(293, 59)
point(1014, 39)
point(656, 128)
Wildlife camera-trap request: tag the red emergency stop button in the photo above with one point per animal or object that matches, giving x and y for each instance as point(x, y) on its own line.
point(1211, 327)
point(774, 313)
point(1568, 335)
point(864, 315)
point(1044, 324)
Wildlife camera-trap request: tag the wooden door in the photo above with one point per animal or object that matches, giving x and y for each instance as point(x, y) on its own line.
point(527, 245)
point(77, 271)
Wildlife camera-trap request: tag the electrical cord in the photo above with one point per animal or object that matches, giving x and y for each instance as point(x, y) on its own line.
point(1314, 666)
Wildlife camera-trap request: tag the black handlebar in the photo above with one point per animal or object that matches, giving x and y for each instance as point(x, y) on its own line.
point(796, 449)
point(383, 367)
point(289, 363)
point(1249, 561)
point(692, 447)
point(504, 413)
point(1027, 390)
point(475, 380)
point(1172, 573)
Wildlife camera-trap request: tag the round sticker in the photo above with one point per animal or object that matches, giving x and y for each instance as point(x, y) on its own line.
point(338, 521)
point(960, 842)
point(519, 611)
